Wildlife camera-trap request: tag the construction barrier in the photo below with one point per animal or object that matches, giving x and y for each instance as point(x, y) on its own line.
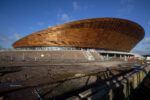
point(117, 89)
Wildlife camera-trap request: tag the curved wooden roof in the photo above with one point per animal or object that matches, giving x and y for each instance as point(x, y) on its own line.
point(102, 33)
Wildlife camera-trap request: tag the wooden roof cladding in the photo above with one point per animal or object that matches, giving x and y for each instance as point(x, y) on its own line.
point(103, 33)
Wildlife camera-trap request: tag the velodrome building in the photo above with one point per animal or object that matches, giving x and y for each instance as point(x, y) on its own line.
point(97, 37)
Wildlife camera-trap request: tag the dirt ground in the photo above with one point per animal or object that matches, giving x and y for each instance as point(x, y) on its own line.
point(38, 75)
point(34, 76)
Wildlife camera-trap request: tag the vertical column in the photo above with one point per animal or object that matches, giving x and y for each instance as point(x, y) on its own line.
point(125, 57)
point(107, 56)
point(114, 55)
point(120, 56)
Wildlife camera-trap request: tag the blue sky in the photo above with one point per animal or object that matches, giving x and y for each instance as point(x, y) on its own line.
point(19, 18)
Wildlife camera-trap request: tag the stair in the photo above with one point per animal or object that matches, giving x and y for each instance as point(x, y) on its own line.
point(88, 55)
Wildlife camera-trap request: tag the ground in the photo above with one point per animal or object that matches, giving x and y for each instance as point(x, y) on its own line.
point(45, 77)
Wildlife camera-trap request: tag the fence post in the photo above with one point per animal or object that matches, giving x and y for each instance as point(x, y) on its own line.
point(11, 58)
point(35, 59)
point(23, 56)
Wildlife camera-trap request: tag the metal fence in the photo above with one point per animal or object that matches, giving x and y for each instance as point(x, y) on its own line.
point(39, 57)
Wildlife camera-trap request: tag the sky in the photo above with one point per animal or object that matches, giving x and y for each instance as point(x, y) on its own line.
point(19, 18)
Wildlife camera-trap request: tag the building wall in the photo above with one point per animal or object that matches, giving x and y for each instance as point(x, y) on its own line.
point(102, 33)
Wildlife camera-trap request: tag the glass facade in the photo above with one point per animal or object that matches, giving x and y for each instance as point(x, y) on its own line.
point(52, 48)
point(64, 48)
point(101, 51)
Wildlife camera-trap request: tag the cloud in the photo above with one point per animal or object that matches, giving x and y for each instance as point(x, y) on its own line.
point(141, 52)
point(75, 5)
point(147, 40)
point(148, 23)
point(126, 1)
point(1, 47)
point(58, 23)
point(13, 37)
point(31, 28)
point(11, 29)
point(40, 23)
point(63, 17)
point(17, 36)
point(126, 10)
point(49, 26)
point(2, 39)
point(147, 47)
point(145, 50)
point(8, 38)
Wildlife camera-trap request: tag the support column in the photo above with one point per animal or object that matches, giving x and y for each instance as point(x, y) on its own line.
point(120, 56)
point(125, 57)
point(114, 55)
point(107, 56)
